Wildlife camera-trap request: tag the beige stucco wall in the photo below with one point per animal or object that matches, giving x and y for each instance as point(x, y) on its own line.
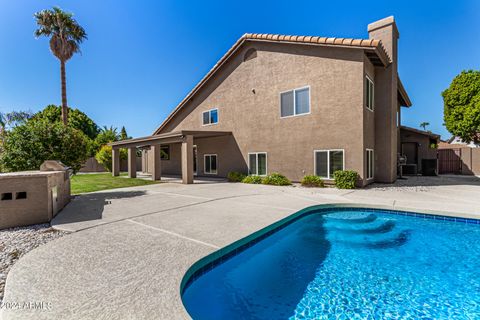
point(369, 123)
point(38, 206)
point(336, 80)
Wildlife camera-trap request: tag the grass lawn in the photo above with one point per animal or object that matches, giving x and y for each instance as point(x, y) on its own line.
point(82, 183)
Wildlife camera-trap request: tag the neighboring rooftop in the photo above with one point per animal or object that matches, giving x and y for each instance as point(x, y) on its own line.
point(426, 133)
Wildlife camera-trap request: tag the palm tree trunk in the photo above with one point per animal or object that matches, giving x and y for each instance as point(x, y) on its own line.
point(64, 93)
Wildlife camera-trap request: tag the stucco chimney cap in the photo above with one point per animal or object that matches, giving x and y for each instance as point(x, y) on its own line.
point(382, 23)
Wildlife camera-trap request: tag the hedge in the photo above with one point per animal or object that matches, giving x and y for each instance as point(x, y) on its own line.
point(345, 179)
point(312, 181)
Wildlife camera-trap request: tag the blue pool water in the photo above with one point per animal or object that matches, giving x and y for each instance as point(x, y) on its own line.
point(348, 264)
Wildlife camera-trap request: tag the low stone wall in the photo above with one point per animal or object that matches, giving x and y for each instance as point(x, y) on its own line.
point(32, 197)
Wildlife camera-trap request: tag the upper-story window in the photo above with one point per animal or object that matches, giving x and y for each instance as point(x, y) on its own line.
point(295, 102)
point(369, 93)
point(210, 117)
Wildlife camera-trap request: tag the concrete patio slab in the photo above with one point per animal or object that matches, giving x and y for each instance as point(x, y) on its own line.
point(105, 207)
point(117, 271)
point(218, 218)
point(133, 246)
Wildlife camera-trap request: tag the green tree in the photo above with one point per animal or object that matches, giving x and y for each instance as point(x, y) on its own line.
point(26, 146)
point(107, 135)
point(424, 125)
point(76, 119)
point(123, 134)
point(65, 35)
point(104, 156)
point(462, 106)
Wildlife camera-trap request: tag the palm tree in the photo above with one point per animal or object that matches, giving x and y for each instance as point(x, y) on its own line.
point(65, 35)
point(424, 125)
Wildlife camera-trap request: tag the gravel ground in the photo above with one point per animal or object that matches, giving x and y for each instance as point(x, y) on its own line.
point(409, 184)
point(15, 242)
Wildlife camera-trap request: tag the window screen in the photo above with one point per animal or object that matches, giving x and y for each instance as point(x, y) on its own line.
point(262, 164)
point(302, 101)
point(321, 164)
point(252, 163)
point(336, 161)
point(206, 117)
point(287, 108)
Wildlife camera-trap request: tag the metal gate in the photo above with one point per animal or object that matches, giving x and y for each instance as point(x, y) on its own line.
point(450, 161)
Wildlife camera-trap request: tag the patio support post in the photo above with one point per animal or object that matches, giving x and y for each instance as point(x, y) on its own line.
point(156, 168)
point(187, 159)
point(132, 162)
point(115, 162)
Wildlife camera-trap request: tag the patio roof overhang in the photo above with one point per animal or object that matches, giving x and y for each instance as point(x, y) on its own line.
point(166, 138)
point(184, 137)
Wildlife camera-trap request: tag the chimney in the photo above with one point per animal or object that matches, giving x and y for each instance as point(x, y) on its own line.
point(386, 102)
point(386, 31)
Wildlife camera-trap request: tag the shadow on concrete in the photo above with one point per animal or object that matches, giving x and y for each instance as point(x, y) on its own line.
point(90, 206)
point(429, 181)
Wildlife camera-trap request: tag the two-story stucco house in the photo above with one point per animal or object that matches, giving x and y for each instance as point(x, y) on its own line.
point(297, 105)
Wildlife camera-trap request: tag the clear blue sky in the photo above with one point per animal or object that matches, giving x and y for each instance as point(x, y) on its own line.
point(143, 57)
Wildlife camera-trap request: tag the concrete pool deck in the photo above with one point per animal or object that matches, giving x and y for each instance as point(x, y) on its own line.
point(130, 248)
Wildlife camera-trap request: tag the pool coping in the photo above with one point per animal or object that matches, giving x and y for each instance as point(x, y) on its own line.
point(224, 254)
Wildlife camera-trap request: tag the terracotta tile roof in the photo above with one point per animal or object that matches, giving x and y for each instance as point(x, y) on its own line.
point(372, 44)
point(311, 39)
point(374, 50)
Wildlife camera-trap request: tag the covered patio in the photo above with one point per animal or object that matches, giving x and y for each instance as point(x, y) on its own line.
point(183, 137)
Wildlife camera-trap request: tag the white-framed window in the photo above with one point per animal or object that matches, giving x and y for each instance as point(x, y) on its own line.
point(210, 117)
point(210, 164)
point(257, 163)
point(370, 161)
point(295, 102)
point(369, 93)
point(326, 162)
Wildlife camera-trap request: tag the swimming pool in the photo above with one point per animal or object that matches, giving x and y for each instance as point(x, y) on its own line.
point(347, 263)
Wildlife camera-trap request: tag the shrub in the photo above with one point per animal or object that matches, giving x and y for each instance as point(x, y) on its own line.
point(312, 181)
point(345, 179)
point(252, 179)
point(235, 176)
point(104, 156)
point(26, 146)
point(276, 179)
